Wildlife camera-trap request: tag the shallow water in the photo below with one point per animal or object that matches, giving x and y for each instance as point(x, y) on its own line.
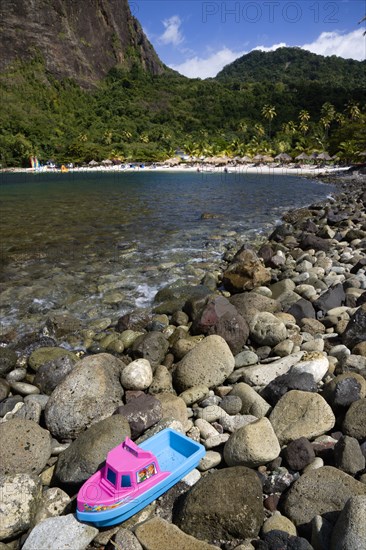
point(98, 244)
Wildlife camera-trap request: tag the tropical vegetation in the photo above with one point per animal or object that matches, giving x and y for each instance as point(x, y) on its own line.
point(135, 116)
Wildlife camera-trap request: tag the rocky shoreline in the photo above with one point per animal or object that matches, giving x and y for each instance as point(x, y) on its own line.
point(264, 363)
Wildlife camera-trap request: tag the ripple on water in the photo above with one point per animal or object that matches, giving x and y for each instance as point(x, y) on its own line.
point(70, 239)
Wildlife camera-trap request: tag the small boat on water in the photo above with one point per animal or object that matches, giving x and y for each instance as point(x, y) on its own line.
point(135, 475)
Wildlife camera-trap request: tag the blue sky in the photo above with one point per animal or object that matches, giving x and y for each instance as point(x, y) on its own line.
point(199, 37)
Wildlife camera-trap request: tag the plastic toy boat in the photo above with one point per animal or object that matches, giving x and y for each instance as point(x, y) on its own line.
point(133, 476)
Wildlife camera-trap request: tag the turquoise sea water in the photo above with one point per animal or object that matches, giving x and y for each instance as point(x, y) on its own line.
point(98, 244)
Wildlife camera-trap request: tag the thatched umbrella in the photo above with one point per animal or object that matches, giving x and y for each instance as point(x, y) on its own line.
point(302, 156)
point(283, 157)
point(267, 158)
point(93, 163)
point(246, 159)
point(173, 161)
point(258, 158)
point(324, 156)
point(107, 162)
point(362, 154)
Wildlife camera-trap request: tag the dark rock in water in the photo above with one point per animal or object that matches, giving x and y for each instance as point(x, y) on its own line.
point(175, 297)
point(8, 359)
point(280, 540)
point(30, 342)
point(135, 320)
point(63, 324)
point(333, 297)
point(308, 240)
point(348, 456)
point(141, 413)
point(302, 309)
point(152, 346)
point(346, 392)
point(87, 453)
point(220, 317)
point(209, 216)
point(303, 381)
point(299, 453)
point(225, 505)
point(356, 328)
point(52, 373)
point(323, 492)
point(8, 404)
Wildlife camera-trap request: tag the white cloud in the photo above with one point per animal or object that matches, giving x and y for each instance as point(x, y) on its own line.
point(205, 67)
point(172, 33)
point(348, 45)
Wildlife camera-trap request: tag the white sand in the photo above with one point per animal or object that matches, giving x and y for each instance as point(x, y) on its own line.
point(290, 170)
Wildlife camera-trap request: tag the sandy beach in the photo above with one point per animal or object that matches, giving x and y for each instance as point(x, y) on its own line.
point(265, 169)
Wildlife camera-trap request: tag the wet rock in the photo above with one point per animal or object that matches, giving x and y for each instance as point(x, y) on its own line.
point(246, 272)
point(356, 328)
point(350, 530)
point(141, 413)
point(354, 423)
point(301, 414)
point(60, 325)
point(8, 359)
point(324, 492)
point(20, 497)
point(157, 534)
point(252, 445)
point(299, 453)
point(249, 303)
point(85, 455)
point(88, 394)
point(267, 330)
point(348, 456)
point(152, 347)
point(135, 320)
point(232, 502)
point(25, 447)
point(50, 374)
point(63, 531)
point(40, 356)
point(220, 317)
point(209, 364)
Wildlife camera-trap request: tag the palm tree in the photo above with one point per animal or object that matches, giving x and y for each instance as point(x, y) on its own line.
point(304, 118)
point(269, 113)
point(328, 113)
point(353, 110)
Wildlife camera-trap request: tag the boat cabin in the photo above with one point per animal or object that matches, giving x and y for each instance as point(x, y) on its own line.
point(127, 466)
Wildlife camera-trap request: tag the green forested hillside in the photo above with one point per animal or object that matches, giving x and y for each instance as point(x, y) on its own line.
point(134, 115)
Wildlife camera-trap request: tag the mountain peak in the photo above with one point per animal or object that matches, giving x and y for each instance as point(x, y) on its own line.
point(80, 39)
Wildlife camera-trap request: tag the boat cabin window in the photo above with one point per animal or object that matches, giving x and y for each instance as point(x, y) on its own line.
point(146, 472)
point(111, 476)
point(125, 480)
